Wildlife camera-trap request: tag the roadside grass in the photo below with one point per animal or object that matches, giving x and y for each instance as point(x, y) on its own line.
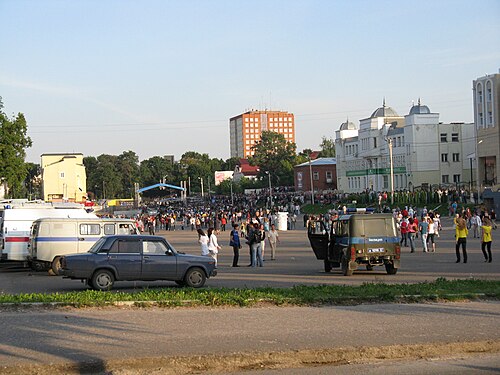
point(441, 289)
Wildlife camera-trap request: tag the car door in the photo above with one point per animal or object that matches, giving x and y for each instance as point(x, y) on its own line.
point(318, 238)
point(125, 257)
point(159, 262)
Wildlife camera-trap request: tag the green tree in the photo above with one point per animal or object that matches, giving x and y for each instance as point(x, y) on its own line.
point(33, 181)
point(128, 169)
point(13, 145)
point(154, 170)
point(94, 180)
point(327, 148)
point(274, 154)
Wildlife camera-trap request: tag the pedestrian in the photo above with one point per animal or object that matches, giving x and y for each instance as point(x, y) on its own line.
point(424, 231)
point(254, 239)
point(431, 240)
point(486, 239)
point(461, 238)
point(404, 231)
point(263, 238)
point(475, 224)
point(203, 241)
point(412, 229)
point(234, 242)
point(213, 245)
point(273, 238)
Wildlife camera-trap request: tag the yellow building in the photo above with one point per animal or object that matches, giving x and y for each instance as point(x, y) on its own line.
point(64, 178)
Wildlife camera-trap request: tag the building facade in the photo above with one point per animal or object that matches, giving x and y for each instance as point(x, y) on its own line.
point(425, 152)
point(486, 92)
point(323, 171)
point(245, 130)
point(63, 178)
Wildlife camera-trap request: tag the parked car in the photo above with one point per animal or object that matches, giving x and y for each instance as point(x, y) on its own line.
point(355, 240)
point(147, 258)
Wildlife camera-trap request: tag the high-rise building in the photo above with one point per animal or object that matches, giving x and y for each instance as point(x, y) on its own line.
point(246, 129)
point(487, 124)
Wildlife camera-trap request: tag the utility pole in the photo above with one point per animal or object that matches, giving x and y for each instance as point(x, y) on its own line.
point(311, 176)
point(389, 140)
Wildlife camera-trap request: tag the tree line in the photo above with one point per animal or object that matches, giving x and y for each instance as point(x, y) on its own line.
point(114, 176)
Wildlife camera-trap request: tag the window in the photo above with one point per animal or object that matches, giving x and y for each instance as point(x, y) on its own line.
point(489, 94)
point(374, 142)
point(386, 182)
point(490, 118)
point(90, 229)
point(154, 247)
point(444, 158)
point(445, 179)
point(454, 137)
point(456, 157)
point(316, 176)
point(126, 247)
point(456, 178)
point(480, 119)
point(109, 229)
point(444, 137)
point(328, 176)
point(61, 175)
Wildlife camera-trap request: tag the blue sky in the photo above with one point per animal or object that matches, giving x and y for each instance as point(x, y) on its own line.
point(164, 77)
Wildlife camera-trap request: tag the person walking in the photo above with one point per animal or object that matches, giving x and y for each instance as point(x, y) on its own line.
point(461, 238)
point(475, 224)
point(431, 236)
point(486, 239)
point(254, 239)
point(234, 242)
point(213, 245)
point(273, 238)
point(424, 231)
point(404, 231)
point(203, 241)
point(412, 229)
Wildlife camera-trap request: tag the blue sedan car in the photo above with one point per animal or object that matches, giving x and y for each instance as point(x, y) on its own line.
point(147, 258)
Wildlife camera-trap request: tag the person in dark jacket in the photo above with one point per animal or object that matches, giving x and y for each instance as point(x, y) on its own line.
point(234, 242)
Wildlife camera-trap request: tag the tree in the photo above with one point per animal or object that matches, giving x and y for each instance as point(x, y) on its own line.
point(33, 181)
point(274, 154)
point(327, 148)
point(128, 169)
point(13, 145)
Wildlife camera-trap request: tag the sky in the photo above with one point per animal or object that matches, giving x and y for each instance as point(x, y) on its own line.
point(163, 77)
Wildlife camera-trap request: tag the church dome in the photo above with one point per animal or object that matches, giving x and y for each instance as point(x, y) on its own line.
point(384, 111)
point(348, 125)
point(419, 109)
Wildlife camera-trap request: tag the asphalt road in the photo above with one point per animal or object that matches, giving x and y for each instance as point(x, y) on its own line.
point(295, 264)
point(100, 335)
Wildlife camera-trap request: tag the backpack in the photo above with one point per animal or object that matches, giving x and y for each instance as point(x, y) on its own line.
point(257, 236)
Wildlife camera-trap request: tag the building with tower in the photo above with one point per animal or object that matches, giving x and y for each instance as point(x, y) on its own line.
point(245, 130)
point(425, 152)
point(487, 124)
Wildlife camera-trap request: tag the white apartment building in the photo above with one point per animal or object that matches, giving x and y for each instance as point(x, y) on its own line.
point(425, 151)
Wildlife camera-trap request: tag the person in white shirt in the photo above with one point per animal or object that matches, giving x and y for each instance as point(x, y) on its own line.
point(273, 238)
point(203, 241)
point(213, 245)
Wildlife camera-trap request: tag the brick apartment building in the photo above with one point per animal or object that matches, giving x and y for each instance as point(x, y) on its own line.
point(324, 175)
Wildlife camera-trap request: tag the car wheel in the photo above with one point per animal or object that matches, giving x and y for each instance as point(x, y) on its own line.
point(56, 265)
point(390, 269)
point(102, 280)
point(195, 277)
point(345, 268)
point(369, 267)
point(328, 265)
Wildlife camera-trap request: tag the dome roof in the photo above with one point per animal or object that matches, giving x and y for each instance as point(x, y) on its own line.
point(384, 111)
point(419, 109)
point(348, 125)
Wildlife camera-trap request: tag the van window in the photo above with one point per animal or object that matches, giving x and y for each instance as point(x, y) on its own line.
point(342, 228)
point(90, 229)
point(109, 229)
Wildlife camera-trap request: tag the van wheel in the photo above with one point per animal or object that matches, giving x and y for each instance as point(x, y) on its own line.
point(56, 265)
point(195, 277)
point(328, 265)
point(345, 268)
point(102, 280)
point(390, 269)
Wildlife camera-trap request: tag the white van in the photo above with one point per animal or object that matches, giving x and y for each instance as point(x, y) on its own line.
point(51, 238)
point(16, 221)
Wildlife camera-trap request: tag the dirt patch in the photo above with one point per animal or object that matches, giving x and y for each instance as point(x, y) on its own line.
point(235, 362)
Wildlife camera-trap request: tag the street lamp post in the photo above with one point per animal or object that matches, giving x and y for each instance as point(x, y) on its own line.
point(202, 192)
point(311, 178)
point(389, 141)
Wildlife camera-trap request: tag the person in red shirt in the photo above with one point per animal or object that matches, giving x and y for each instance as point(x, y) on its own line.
point(404, 232)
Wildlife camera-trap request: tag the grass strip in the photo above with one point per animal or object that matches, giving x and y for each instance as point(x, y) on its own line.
point(441, 289)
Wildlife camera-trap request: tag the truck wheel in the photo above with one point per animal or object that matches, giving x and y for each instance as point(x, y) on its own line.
point(56, 265)
point(195, 277)
point(328, 265)
point(391, 270)
point(102, 280)
point(345, 268)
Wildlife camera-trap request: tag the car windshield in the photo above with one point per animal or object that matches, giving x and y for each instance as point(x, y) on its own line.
point(95, 247)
